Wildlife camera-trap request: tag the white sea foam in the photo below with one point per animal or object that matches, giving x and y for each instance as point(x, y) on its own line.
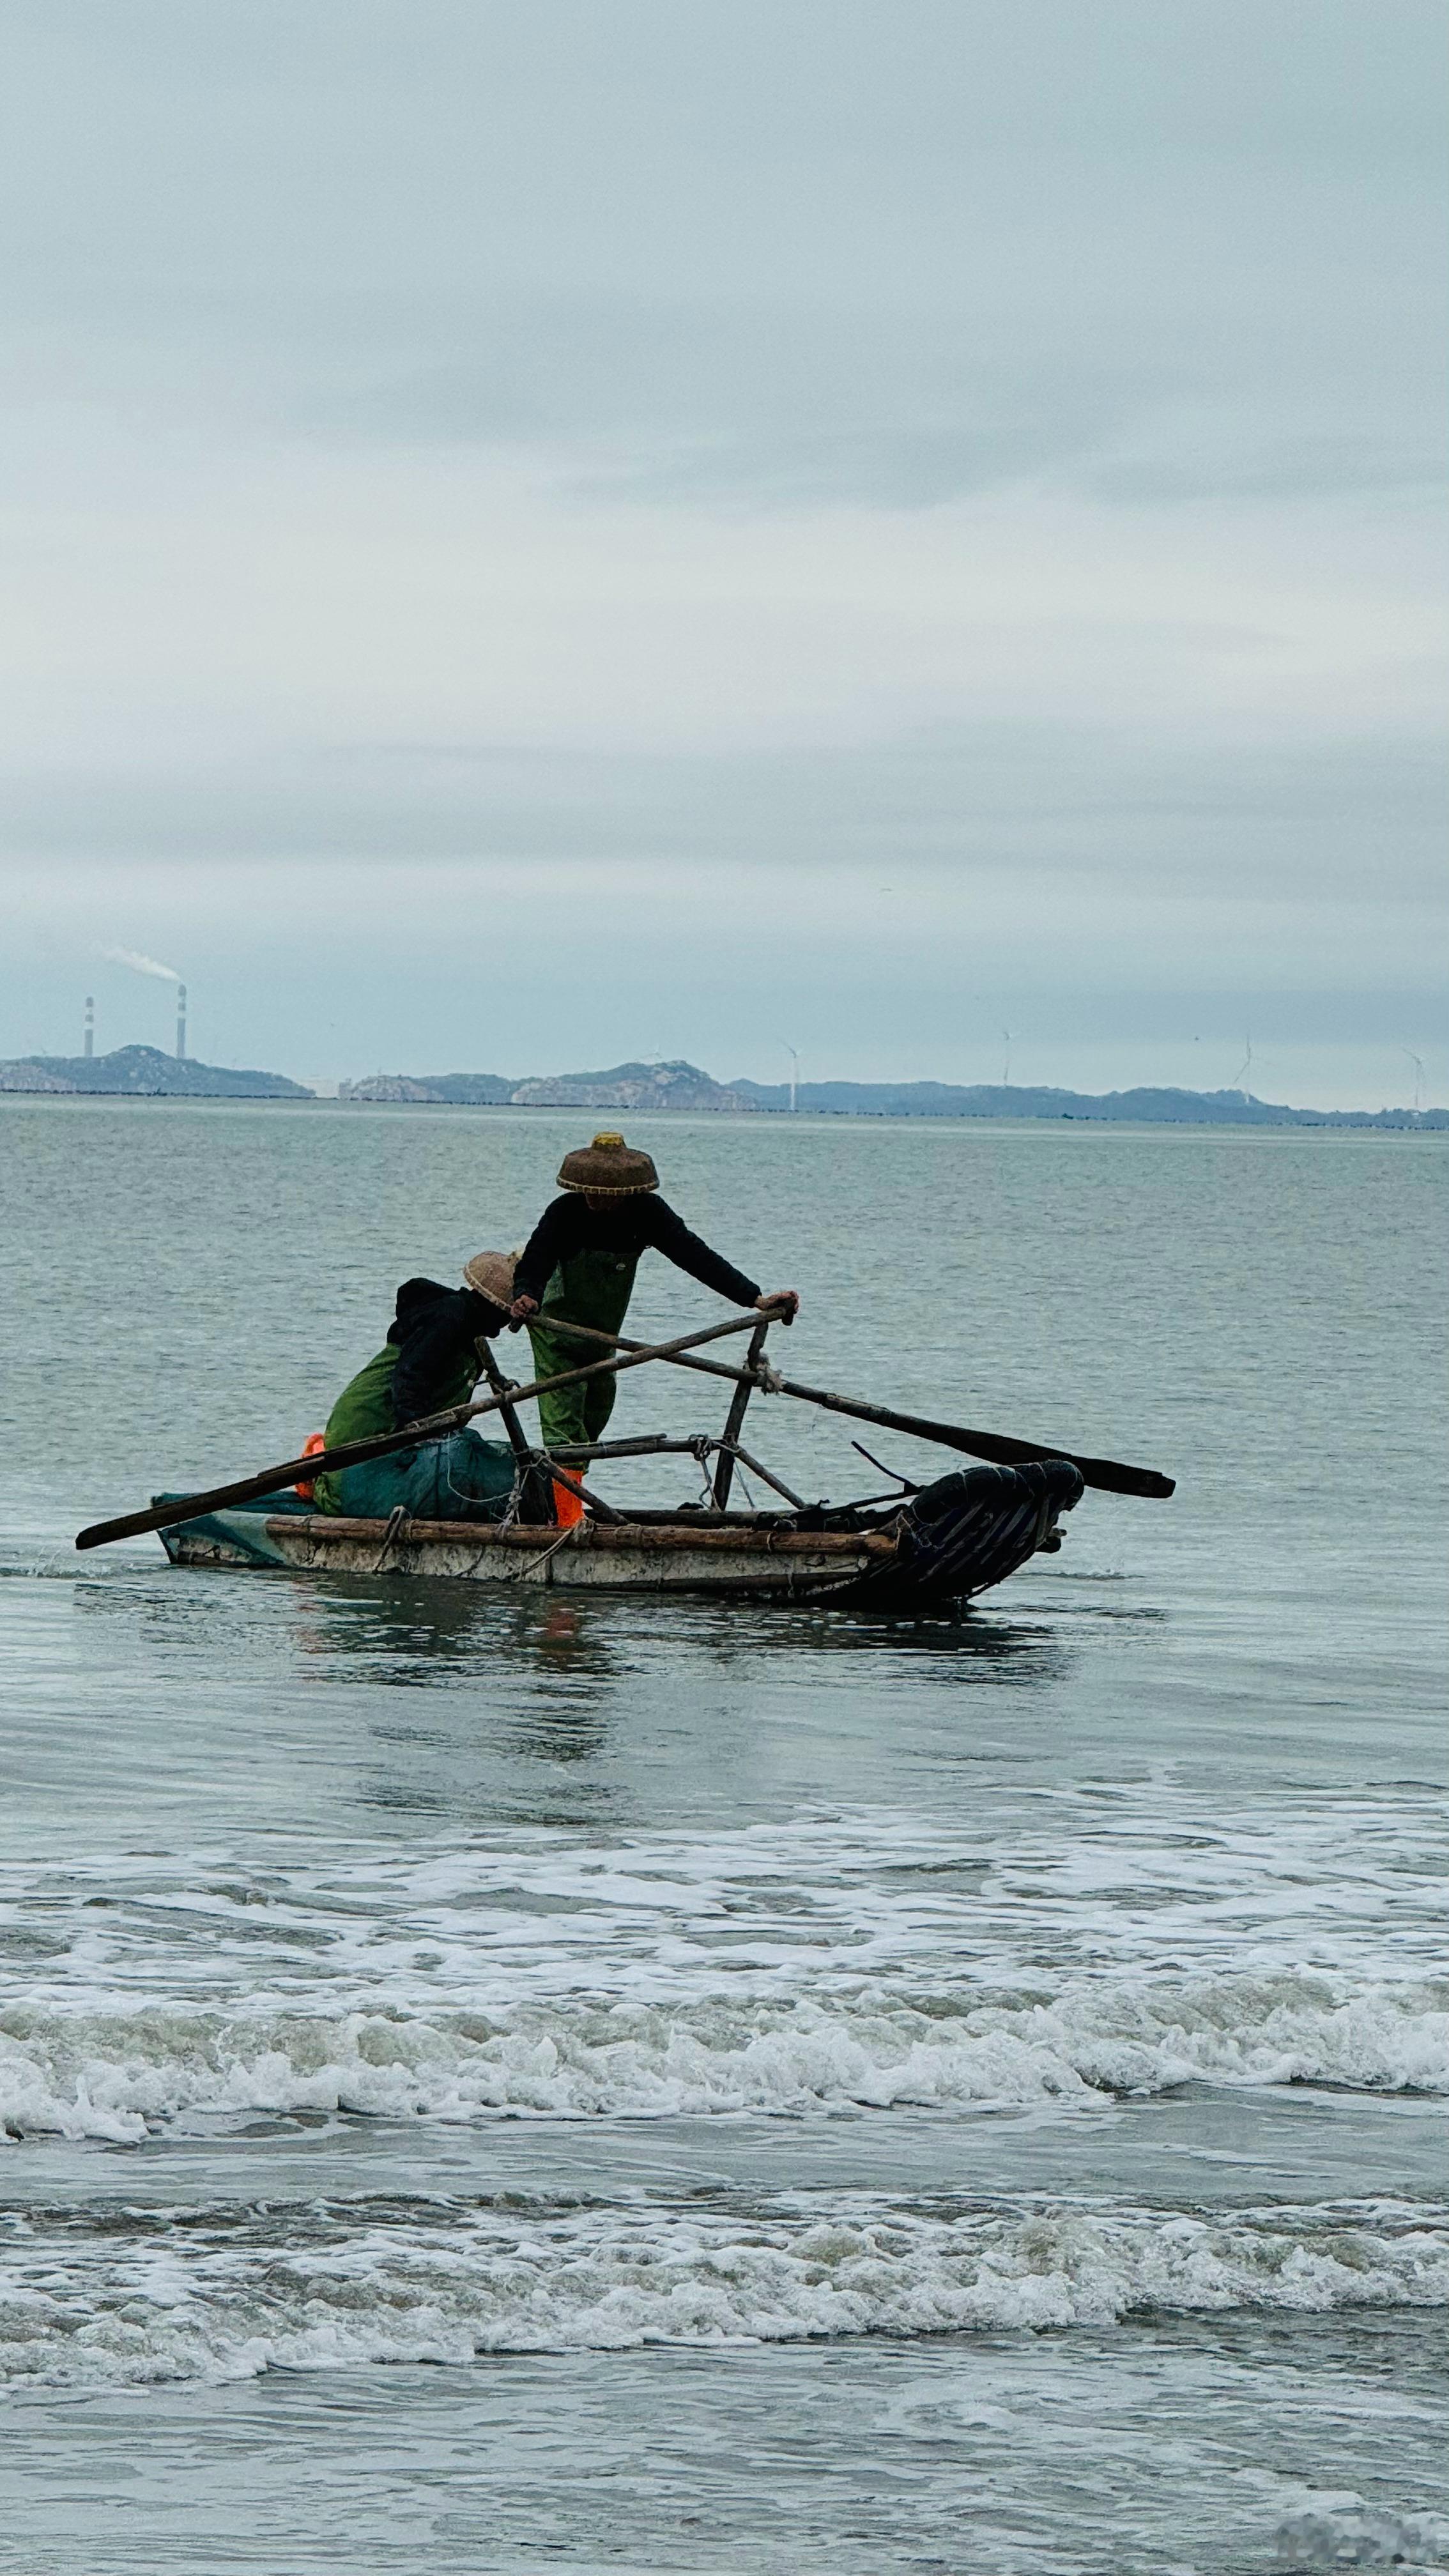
point(232, 2293)
point(1341, 2531)
point(1114, 1880)
point(112, 2074)
point(1104, 1945)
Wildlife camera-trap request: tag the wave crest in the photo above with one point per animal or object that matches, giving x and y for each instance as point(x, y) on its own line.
point(441, 2282)
point(113, 2074)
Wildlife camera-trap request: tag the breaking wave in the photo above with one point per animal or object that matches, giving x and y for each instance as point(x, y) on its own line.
point(109, 2296)
point(118, 2072)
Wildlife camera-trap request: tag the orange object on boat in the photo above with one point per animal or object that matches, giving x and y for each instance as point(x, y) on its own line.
point(568, 1507)
point(315, 1441)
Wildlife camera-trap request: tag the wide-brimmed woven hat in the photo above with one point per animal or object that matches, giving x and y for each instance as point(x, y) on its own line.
point(491, 1273)
point(609, 1166)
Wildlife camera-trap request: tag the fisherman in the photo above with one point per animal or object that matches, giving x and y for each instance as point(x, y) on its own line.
point(579, 1264)
point(432, 1360)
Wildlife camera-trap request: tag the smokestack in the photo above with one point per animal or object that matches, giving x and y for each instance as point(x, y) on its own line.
point(180, 1022)
point(89, 1047)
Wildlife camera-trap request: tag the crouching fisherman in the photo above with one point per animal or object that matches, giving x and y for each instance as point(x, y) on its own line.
point(431, 1361)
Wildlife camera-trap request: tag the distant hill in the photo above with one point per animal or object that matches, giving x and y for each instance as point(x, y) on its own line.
point(144, 1073)
point(1151, 1107)
point(630, 1086)
point(436, 1090)
point(620, 1086)
point(446, 1090)
point(31, 1077)
point(683, 1086)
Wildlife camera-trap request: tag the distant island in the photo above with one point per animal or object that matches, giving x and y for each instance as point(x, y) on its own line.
point(144, 1073)
point(622, 1086)
point(679, 1085)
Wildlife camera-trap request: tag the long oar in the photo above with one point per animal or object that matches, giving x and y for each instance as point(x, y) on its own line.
point(1108, 1474)
point(272, 1480)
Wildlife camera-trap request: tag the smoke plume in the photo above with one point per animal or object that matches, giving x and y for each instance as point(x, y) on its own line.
point(142, 965)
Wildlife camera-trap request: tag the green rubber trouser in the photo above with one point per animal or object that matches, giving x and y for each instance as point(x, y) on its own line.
point(462, 1478)
point(593, 1288)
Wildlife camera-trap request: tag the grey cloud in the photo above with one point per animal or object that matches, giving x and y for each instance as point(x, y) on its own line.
point(675, 403)
point(1230, 816)
point(830, 251)
point(897, 466)
point(1303, 468)
point(732, 256)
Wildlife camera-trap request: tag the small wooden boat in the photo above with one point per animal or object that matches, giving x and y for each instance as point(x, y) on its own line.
point(919, 1555)
point(914, 1553)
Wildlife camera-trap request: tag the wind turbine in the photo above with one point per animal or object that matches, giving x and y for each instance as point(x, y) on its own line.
point(1006, 1067)
point(794, 1055)
point(1245, 1067)
point(1417, 1062)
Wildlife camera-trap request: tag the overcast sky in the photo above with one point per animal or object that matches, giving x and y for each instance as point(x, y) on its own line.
point(543, 533)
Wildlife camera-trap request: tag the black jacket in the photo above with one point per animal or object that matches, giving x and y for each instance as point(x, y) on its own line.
point(435, 1329)
point(630, 1226)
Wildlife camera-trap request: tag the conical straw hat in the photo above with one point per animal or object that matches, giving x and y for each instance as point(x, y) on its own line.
point(609, 1166)
point(491, 1273)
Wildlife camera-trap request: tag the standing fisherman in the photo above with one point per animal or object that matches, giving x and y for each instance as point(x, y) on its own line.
point(579, 1264)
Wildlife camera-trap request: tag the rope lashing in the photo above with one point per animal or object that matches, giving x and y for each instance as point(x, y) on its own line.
point(549, 1553)
point(397, 1521)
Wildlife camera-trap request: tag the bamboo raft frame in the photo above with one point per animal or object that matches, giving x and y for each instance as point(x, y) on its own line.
point(930, 1547)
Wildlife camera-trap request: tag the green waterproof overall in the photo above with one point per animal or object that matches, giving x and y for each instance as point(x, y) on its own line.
point(591, 1288)
point(460, 1478)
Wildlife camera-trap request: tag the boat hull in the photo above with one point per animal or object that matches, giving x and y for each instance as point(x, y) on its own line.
point(584, 1559)
point(954, 1540)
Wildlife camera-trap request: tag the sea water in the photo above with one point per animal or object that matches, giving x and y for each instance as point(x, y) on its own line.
point(499, 2080)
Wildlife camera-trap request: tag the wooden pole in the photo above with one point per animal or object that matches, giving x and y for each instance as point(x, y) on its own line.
point(768, 1477)
point(649, 1444)
point(568, 1476)
point(537, 1472)
point(532, 1485)
point(1109, 1475)
point(724, 1474)
point(275, 1480)
point(508, 1411)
